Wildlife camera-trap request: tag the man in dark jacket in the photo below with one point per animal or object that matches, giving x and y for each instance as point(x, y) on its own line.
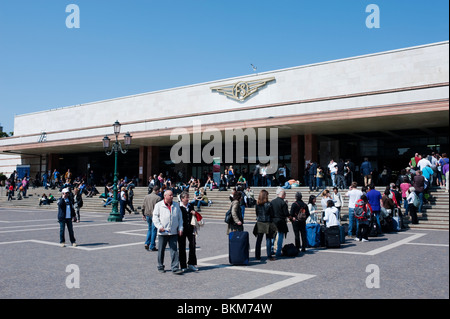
point(66, 213)
point(280, 213)
point(299, 214)
point(312, 176)
point(187, 212)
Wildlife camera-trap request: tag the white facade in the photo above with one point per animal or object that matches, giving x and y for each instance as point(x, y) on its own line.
point(399, 77)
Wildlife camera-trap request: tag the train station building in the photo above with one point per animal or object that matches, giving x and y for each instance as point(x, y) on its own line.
point(385, 106)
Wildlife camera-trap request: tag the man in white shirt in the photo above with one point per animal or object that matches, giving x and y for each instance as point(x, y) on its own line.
point(331, 215)
point(168, 220)
point(423, 162)
point(333, 169)
point(353, 195)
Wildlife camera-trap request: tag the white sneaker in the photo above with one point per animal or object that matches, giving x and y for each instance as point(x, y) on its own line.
point(74, 245)
point(357, 239)
point(365, 240)
point(63, 245)
point(192, 267)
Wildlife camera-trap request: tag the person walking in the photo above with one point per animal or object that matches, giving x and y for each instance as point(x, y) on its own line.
point(168, 220)
point(281, 213)
point(147, 215)
point(366, 171)
point(298, 215)
point(264, 224)
point(340, 175)
point(78, 203)
point(187, 212)
point(66, 213)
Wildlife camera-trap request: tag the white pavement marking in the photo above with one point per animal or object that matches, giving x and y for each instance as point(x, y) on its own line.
point(375, 251)
point(80, 247)
point(425, 244)
point(130, 232)
point(273, 287)
point(75, 226)
point(294, 277)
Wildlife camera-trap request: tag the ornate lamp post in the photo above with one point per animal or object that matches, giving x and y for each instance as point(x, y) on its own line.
point(115, 216)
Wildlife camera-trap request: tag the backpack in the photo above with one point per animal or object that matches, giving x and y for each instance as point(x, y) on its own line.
point(360, 211)
point(416, 200)
point(301, 215)
point(289, 250)
point(228, 217)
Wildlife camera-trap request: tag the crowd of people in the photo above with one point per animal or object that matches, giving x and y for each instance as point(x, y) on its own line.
point(175, 222)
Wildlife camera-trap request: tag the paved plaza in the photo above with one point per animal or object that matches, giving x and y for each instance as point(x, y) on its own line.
point(110, 262)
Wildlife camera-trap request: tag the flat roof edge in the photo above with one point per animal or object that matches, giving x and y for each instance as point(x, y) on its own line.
point(243, 76)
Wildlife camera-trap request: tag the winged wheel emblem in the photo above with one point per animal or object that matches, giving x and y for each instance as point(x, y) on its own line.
point(242, 90)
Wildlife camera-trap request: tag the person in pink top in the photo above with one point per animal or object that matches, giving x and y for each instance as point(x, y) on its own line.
point(404, 188)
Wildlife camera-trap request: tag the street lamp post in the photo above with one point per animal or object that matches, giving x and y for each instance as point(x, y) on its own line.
point(115, 216)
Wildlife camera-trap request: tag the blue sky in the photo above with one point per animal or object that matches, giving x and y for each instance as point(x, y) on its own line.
point(136, 46)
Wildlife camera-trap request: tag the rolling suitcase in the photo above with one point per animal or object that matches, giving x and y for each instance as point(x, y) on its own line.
point(323, 243)
point(239, 248)
point(313, 235)
point(342, 232)
point(333, 237)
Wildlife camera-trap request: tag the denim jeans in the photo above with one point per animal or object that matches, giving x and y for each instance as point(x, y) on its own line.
point(151, 233)
point(201, 203)
point(421, 202)
point(406, 207)
point(352, 223)
point(62, 224)
point(258, 246)
point(312, 182)
point(280, 238)
point(320, 183)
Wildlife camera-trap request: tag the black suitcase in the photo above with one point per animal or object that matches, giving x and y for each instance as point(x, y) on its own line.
point(239, 248)
point(333, 237)
point(322, 236)
point(373, 227)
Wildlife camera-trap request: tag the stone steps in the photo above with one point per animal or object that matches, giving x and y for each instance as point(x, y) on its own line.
point(436, 213)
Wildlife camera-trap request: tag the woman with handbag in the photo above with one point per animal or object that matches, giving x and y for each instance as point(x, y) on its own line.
point(264, 225)
point(298, 216)
point(188, 213)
